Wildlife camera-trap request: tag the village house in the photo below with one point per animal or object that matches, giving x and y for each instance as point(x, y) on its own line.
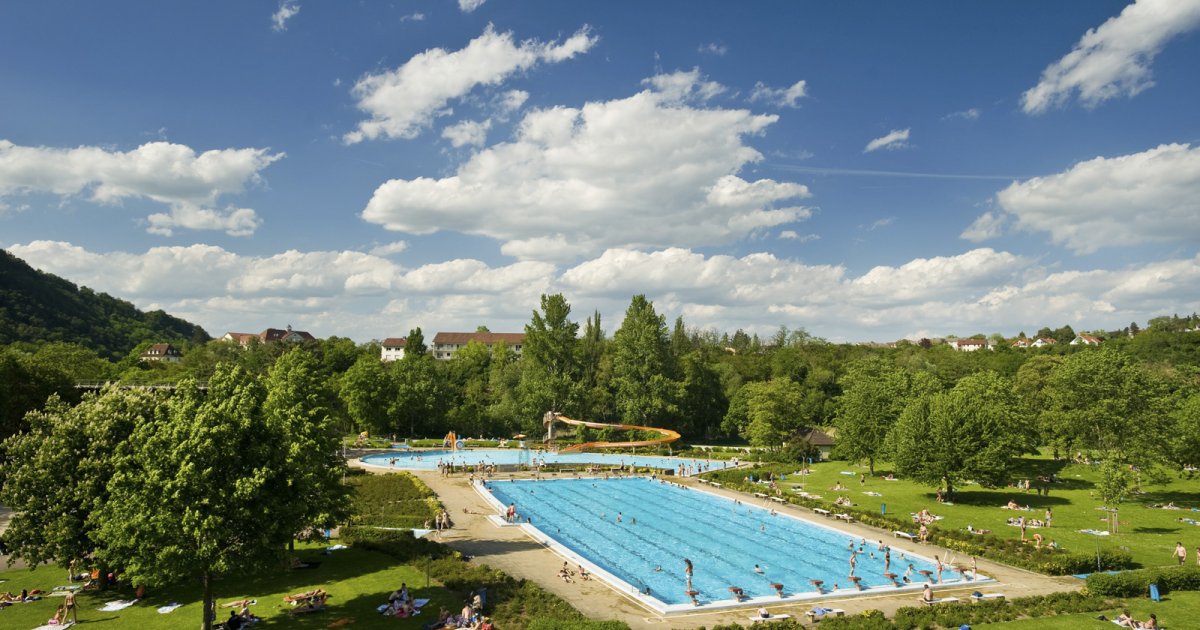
point(445, 344)
point(162, 352)
point(268, 335)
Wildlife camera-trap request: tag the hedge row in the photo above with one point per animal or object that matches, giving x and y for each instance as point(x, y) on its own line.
point(1137, 583)
point(1006, 550)
point(954, 616)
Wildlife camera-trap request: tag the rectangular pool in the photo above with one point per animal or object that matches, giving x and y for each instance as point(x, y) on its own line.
point(637, 531)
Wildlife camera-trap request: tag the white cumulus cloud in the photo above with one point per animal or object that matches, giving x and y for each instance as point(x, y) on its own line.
point(1152, 196)
point(365, 296)
point(682, 86)
point(779, 97)
point(896, 139)
point(190, 184)
point(987, 226)
point(467, 132)
point(467, 6)
point(641, 171)
point(287, 10)
point(1113, 59)
point(405, 100)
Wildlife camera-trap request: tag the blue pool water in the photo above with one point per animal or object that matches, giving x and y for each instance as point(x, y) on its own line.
point(662, 523)
point(428, 460)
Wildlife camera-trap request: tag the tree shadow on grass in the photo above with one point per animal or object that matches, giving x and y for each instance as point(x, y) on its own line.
point(1156, 530)
point(999, 497)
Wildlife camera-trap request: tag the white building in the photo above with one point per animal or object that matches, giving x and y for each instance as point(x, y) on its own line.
point(392, 348)
point(971, 345)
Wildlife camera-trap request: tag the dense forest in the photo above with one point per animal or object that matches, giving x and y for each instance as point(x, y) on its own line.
point(40, 307)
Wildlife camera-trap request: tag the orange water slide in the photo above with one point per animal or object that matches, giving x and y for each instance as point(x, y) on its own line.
point(668, 435)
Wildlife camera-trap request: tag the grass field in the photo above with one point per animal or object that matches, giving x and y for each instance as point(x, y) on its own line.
point(1148, 534)
point(357, 580)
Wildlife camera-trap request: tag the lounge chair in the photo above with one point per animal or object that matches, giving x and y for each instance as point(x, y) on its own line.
point(757, 619)
point(942, 600)
point(820, 613)
point(984, 597)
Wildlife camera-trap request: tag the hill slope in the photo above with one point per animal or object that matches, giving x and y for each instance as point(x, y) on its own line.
point(40, 307)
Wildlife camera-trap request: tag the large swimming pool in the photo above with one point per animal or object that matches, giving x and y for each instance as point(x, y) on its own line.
point(639, 530)
point(429, 460)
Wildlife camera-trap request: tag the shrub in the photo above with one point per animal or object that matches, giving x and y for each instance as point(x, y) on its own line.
point(399, 544)
point(1137, 583)
point(392, 500)
point(978, 613)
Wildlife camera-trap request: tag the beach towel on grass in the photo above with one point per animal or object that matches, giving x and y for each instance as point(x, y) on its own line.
point(117, 605)
point(162, 610)
point(55, 626)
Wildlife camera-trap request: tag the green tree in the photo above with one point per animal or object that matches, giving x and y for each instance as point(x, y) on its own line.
point(1109, 404)
point(25, 384)
point(595, 367)
point(1184, 434)
point(419, 400)
point(640, 365)
point(367, 390)
point(1116, 482)
point(196, 493)
point(549, 359)
point(702, 402)
point(297, 408)
point(973, 431)
point(1031, 386)
point(414, 344)
point(874, 394)
point(55, 476)
point(772, 411)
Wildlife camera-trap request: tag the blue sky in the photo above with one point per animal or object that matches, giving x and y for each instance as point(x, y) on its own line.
point(867, 171)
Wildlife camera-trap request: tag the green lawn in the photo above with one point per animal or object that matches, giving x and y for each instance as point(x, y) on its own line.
point(1176, 611)
point(1148, 534)
point(357, 580)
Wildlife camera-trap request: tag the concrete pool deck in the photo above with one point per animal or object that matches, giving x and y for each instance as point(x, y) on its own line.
point(511, 550)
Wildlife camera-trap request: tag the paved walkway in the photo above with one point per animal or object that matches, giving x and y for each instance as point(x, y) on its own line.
point(513, 552)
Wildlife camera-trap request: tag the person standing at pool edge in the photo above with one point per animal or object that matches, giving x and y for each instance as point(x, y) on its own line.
point(687, 571)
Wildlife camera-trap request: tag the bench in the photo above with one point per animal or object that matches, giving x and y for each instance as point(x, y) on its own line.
point(760, 495)
point(778, 499)
point(902, 534)
point(714, 484)
point(845, 517)
point(756, 618)
point(822, 511)
point(987, 597)
point(703, 481)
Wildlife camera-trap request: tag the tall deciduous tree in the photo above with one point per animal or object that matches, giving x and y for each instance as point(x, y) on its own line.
point(874, 394)
point(195, 493)
point(297, 408)
point(640, 365)
point(551, 365)
point(367, 390)
point(1109, 404)
point(973, 431)
point(420, 399)
point(55, 476)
